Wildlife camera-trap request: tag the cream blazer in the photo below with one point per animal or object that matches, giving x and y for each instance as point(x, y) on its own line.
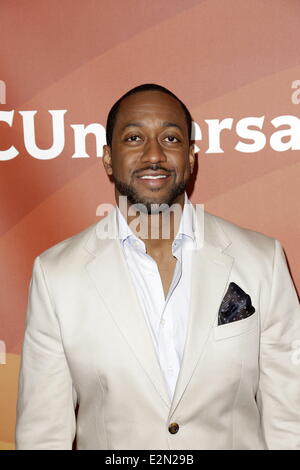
point(87, 343)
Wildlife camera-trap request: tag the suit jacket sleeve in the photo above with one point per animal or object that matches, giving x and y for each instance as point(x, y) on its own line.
point(46, 398)
point(278, 395)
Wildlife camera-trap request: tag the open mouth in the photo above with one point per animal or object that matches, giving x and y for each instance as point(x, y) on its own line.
point(154, 180)
point(149, 177)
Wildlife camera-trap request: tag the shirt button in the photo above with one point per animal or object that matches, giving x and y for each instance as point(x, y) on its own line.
point(173, 428)
point(163, 322)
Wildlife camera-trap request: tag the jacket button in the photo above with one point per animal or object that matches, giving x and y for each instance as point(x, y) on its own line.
point(173, 428)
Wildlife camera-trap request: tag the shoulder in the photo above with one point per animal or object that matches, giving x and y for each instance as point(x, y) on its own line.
point(71, 254)
point(241, 239)
point(68, 253)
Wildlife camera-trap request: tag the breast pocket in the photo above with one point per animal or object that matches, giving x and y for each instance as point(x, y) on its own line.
point(236, 328)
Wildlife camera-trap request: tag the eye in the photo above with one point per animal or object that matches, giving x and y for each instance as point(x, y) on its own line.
point(132, 138)
point(174, 139)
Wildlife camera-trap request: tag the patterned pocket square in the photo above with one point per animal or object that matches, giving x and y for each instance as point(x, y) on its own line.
point(235, 305)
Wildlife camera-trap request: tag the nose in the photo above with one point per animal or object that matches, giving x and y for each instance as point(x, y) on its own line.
point(153, 152)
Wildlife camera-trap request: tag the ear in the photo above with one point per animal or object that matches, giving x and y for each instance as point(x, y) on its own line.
point(192, 157)
point(107, 159)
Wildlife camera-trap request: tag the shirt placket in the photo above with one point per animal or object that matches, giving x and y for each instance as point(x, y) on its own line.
point(169, 360)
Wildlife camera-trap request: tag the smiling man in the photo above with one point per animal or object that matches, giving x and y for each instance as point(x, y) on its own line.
point(151, 158)
point(184, 341)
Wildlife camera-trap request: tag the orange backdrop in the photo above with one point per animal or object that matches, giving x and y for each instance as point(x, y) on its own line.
point(223, 58)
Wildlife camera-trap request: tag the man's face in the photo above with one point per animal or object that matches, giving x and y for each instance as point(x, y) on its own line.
point(150, 157)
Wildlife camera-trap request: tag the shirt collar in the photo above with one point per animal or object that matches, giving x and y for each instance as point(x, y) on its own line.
point(186, 226)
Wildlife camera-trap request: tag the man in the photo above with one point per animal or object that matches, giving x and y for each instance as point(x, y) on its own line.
point(184, 341)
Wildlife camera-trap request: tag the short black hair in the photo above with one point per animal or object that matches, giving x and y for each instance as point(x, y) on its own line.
point(112, 115)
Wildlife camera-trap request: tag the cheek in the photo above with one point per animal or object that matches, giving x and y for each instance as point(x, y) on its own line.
point(123, 166)
point(184, 167)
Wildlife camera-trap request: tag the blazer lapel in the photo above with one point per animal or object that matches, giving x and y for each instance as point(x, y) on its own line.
point(109, 272)
point(210, 272)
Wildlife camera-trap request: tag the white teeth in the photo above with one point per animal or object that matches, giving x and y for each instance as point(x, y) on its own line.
point(152, 177)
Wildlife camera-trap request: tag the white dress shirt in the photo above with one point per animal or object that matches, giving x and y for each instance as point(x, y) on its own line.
point(166, 318)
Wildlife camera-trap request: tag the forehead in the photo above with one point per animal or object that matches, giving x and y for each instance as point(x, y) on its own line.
point(150, 105)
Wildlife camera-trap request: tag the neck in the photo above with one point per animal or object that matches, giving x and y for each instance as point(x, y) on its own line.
point(156, 230)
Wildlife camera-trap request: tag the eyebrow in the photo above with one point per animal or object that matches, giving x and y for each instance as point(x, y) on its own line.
point(139, 124)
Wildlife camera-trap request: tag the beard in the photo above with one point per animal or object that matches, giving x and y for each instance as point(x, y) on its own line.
point(148, 205)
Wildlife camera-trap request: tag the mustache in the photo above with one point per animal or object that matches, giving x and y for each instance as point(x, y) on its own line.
point(153, 168)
